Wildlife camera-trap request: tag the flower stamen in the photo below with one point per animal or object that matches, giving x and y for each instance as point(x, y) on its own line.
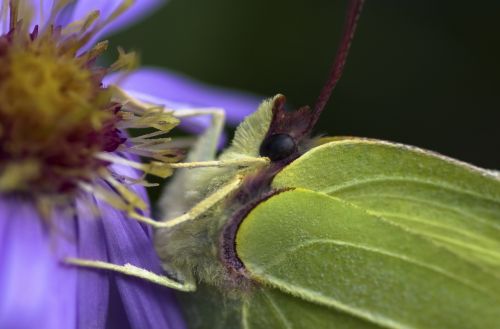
point(14, 8)
point(129, 196)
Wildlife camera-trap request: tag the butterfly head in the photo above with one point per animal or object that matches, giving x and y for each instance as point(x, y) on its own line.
point(289, 132)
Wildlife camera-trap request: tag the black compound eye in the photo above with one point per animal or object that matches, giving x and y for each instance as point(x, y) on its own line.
point(277, 147)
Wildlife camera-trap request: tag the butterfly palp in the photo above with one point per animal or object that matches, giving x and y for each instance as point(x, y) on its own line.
point(278, 147)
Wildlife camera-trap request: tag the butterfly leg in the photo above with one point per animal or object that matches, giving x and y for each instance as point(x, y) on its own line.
point(197, 209)
point(134, 271)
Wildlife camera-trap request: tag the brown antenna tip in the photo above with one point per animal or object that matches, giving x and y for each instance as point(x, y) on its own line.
point(352, 16)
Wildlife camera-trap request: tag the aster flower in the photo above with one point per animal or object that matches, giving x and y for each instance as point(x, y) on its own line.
point(69, 175)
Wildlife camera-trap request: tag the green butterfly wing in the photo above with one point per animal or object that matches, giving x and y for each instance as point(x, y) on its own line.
point(375, 234)
point(454, 204)
point(324, 251)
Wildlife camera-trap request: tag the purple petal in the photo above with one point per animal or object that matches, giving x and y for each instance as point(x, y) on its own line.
point(41, 12)
point(170, 88)
point(65, 15)
point(93, 285)
point(127, 171)
point(137, 11)
point(146, 305)
point(37, 291)
point(4, 23)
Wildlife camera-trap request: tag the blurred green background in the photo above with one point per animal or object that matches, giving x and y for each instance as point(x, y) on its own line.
point(422, 72)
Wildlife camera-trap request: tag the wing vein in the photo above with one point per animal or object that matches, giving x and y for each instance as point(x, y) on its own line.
point(287, 253)
point(426, 203)
point(389, 215)
point(381, 179)
point(318, 298)
point(277, 310)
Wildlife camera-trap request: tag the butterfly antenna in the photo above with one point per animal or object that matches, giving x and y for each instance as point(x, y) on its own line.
point(352, 16)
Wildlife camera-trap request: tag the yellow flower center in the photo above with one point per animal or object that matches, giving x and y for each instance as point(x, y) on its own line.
point(55, 116)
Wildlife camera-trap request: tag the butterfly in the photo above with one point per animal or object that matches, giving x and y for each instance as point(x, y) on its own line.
point(288, 230)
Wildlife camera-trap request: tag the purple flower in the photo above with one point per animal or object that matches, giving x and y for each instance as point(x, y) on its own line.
point(67, 186)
